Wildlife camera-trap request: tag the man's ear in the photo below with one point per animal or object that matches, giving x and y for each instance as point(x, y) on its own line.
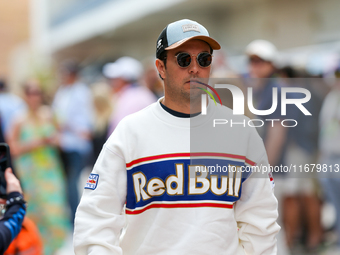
point(161, 68)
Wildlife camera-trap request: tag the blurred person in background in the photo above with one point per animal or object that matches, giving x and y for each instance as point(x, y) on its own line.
point(302, 205)
point(73, 109)
point(262, 55)
point(10, 224)
point(128, 95)
point(102, 113)
point(220, 67)
point(11, 106)
point(151, 79)
point(33, 143)
point(223, 74)
point(329, 146)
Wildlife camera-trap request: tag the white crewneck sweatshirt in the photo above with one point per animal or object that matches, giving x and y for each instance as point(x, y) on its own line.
point(145, 196)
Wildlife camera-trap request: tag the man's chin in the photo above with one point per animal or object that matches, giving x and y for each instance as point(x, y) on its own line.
point(195, 93)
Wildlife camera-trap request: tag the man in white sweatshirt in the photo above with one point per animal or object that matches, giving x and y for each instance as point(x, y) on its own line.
point(148, 192)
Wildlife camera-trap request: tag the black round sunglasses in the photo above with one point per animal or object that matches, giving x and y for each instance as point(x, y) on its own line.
point(204, 59)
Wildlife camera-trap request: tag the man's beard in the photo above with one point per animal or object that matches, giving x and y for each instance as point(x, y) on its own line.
point(193, 95)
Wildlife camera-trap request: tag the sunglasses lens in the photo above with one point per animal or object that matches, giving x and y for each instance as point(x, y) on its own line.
point(183, 59)
point(204, 59)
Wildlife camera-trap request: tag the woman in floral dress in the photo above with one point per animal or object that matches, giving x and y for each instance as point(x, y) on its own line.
point(34, 144)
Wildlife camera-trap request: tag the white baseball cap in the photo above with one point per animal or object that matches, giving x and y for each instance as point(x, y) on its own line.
point(126, 68)
point(263, 49)
point(181, 31)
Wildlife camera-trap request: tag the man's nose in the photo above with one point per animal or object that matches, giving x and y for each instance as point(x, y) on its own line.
point(193, 67)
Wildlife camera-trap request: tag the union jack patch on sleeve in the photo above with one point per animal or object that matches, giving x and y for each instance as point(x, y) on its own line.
point(92, 181)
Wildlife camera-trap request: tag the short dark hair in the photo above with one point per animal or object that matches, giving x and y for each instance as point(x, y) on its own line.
point(163, 57)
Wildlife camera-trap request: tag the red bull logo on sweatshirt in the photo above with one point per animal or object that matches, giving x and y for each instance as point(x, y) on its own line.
point(172, 181)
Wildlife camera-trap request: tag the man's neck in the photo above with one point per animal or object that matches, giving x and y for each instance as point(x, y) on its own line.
point(178, 114)
point(183, 107)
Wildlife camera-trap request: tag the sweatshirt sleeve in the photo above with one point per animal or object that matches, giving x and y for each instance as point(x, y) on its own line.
point(257, 210)
point(99, 219)
point(10, 224)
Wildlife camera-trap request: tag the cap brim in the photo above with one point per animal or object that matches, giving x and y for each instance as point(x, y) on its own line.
point(213, 44)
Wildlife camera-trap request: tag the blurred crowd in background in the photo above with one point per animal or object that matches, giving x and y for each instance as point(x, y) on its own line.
point(54, 138)
point(56, 121)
